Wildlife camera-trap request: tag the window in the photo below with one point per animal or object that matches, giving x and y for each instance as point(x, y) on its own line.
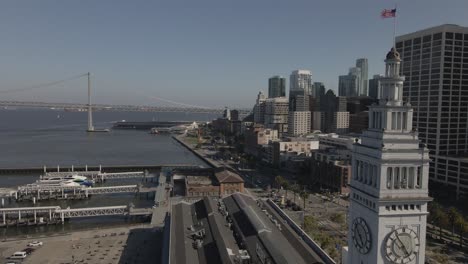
point(418, 178)
point(404, 178)
point(411, 178)
point(396, 178)
point(389, 178)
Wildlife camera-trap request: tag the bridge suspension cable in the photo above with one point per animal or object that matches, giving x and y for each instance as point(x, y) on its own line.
point(177, 103)
point(44, 85)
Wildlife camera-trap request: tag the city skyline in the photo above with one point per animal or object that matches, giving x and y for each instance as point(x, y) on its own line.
point(172, 50)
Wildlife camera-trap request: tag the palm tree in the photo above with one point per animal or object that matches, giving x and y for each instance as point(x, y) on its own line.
point(453, 214)
point(304, 195)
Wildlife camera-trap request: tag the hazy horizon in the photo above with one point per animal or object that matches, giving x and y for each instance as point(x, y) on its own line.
point(209, 53)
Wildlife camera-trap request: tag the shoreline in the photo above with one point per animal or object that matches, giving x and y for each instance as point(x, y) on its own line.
point(194, 151)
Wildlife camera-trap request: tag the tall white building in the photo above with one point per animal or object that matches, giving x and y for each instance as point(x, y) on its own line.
point(299, 123)
point(301, 80)
point(435, 61)
point(389, 185)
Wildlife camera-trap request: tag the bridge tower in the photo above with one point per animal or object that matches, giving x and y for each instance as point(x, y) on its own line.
point(90, 113)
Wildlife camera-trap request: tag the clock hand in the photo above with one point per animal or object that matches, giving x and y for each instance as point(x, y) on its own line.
point(361, 239)
point(403, 244)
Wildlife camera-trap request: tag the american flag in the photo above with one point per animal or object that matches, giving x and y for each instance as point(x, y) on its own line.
point(386, 13)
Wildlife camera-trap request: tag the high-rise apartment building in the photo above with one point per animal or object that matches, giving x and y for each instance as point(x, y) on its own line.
point(301, 80)
point(276, 87)
point(363, 66)
point(435, 63)
point(276, 114)
point(299, 123)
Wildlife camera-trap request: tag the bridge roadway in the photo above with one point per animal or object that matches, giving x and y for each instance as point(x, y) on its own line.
point(122, 108)
point(56, 212)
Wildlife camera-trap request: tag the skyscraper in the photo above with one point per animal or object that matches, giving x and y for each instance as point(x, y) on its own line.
point(363, 66)
point(301, 80)
point(259, 108)
point(435, 62)
point(374, 86)
point(389, 182)
point(319, 89)
point(276, 87)
point(350, 85)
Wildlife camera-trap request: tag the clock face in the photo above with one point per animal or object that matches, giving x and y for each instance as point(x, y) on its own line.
point(402, 245)
point(361, 235)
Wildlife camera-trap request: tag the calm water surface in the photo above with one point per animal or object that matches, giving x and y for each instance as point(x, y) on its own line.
point(36, 138)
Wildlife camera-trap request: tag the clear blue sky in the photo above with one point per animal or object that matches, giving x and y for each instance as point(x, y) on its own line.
point(200, 52)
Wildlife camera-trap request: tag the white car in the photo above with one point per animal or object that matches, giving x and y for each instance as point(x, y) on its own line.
point(35, 244)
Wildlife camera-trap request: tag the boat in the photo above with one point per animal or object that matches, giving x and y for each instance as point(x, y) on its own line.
point(73, 177)
point(70, 183)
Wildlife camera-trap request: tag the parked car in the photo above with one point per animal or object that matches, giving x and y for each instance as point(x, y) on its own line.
point(35, 244)
point(19, 255)
point(29, 251)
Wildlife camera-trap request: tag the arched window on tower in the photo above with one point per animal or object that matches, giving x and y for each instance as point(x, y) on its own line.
point(389, 177)
point(411, 178)
point(418, 178)
point(404, 178)
point(405, 120)
point(396, 178)
point(375, 175)
point(366, 173)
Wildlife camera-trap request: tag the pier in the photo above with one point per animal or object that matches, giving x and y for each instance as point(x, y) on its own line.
point(55, 214)
point(35, 192)
point(99, 176)
point(82, 170)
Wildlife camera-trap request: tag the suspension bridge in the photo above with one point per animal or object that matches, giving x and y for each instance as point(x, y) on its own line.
point(176, 106)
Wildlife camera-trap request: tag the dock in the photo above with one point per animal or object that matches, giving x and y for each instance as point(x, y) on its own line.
point(55, 214)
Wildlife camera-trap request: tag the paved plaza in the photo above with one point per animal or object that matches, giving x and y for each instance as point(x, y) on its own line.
point(124, 245)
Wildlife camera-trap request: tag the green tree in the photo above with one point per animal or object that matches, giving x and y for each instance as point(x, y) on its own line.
point(295, 189)
point(337, 218)
point(286, 187)
point(453, 214)
point(279, 182)
point(438, 217)
point(310, 224)
point(304, 195)
point(462, 226)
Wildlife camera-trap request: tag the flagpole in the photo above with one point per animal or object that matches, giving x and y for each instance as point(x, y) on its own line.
point(394, 28)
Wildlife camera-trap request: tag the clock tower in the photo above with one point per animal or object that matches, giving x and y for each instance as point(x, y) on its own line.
point(389, 184)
